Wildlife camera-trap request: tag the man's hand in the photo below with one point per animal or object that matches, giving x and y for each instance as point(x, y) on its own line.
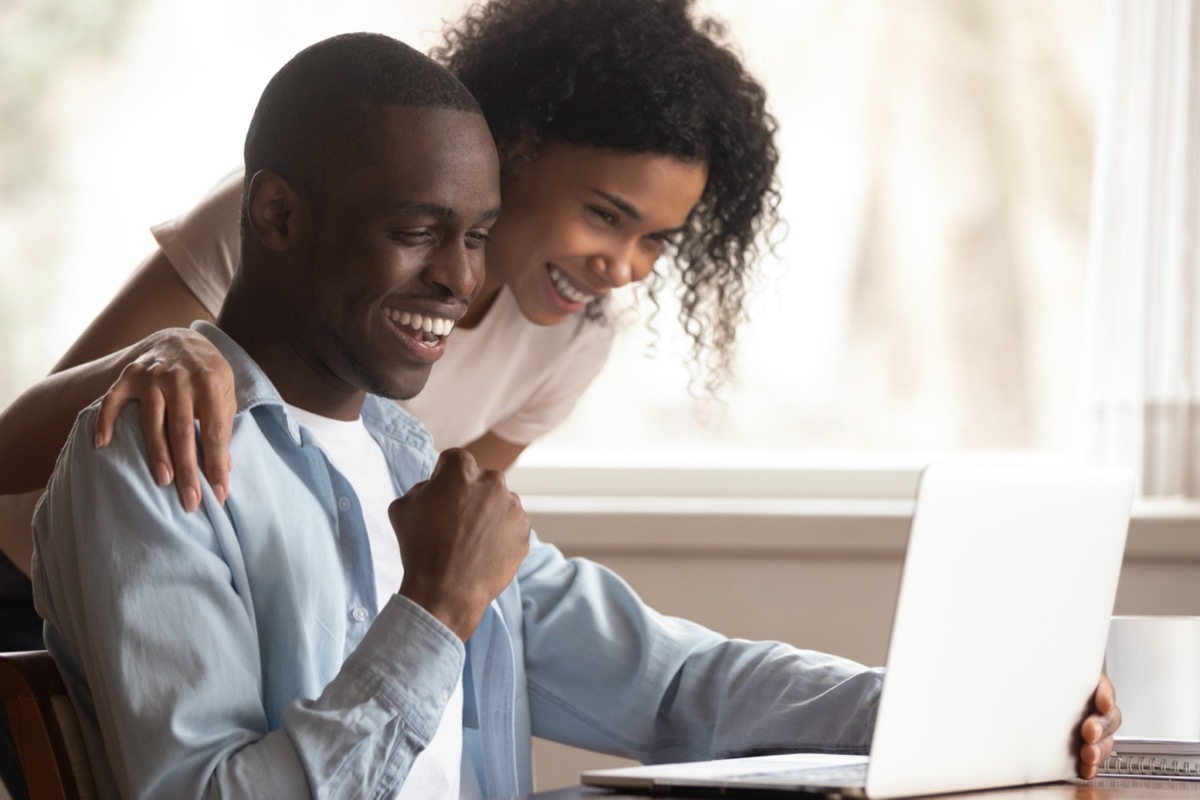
point(1096, 732)
point(462, 536)
point(179, 376)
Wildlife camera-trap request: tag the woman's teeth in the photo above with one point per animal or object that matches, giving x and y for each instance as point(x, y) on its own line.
point(432, 327)
point(566, 288)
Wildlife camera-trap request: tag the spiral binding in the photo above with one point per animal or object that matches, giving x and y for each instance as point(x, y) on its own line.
point(1152, 765)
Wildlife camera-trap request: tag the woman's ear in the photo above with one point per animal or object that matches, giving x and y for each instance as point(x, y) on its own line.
point(514, 153)
point(272, 208)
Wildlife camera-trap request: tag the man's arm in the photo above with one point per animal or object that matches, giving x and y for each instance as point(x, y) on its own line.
point(659, 688)
point(664, 689)
point(150, 618)
point(1096, 732)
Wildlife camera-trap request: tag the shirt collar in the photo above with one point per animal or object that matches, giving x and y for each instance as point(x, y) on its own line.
point(252, 387)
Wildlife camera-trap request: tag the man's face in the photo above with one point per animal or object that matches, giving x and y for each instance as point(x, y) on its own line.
point(396, 250)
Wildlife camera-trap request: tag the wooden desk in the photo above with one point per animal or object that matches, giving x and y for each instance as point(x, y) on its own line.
point(1100, 789)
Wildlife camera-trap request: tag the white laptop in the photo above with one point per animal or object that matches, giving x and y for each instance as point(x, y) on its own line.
point(997, 644)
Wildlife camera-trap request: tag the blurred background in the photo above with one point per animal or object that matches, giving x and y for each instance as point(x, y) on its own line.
point(925, 296)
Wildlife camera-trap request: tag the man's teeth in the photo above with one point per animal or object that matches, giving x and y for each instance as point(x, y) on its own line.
point(436, 326)
point(566, 288)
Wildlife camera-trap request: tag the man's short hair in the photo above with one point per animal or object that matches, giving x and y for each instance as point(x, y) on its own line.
point(312, 115)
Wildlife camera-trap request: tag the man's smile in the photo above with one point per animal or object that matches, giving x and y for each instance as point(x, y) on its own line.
point(431, 326)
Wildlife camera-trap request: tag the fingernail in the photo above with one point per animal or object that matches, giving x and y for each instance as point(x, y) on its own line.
point(162, 475)
point(191, 499)
point(219, 491)
point(99, 440)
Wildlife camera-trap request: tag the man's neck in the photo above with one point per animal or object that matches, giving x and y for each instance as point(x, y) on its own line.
point(314, 392)
point(298, 378)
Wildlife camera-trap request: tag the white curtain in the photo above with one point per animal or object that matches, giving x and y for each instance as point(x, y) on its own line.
point(1141, 382)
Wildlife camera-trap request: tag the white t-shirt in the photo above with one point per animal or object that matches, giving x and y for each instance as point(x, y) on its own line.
point(508, 376)
point(438, 772)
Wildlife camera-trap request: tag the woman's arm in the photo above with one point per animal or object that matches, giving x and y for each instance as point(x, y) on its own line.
point(35, 426)
point(154, 298)
point(492, 452)
point(127, 337)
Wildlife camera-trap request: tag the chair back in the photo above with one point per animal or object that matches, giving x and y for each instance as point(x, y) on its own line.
point(45, 728)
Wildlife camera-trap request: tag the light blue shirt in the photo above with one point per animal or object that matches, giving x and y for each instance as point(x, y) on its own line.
point(240, 651)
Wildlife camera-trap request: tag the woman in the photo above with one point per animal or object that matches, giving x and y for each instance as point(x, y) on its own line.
point(626, 130)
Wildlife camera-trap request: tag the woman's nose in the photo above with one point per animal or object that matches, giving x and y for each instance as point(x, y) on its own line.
point(622, 266)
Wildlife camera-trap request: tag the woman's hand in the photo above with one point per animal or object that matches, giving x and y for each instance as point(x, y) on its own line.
point(179, 376)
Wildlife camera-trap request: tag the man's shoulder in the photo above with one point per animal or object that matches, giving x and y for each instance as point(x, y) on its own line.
point(85, 472)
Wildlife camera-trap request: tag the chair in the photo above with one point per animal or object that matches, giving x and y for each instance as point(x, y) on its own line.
point(45, 729)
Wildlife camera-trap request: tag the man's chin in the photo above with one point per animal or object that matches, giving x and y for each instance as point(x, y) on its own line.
point(401, 382)
point(404, 389)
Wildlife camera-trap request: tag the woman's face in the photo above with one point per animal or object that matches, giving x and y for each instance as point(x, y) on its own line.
point(578, 221)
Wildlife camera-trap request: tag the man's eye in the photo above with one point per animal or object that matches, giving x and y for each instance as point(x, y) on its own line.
point(478, 238)
point(411, 235)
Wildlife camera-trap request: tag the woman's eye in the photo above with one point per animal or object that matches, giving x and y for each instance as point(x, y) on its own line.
point(607, 216)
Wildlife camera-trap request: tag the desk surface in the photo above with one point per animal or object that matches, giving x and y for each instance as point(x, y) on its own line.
point(1100, 789)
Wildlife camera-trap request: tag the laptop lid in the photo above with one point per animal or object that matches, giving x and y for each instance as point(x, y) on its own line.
point(1001, 620)
point(997, 640)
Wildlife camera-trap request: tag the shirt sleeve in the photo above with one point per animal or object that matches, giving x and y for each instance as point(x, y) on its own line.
point(575, 370)
point(16, 510)
point(148, 621)
point(204, 244)
point(661, 689)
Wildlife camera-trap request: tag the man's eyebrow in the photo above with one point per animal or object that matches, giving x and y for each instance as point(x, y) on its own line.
point(444, 212)
point(432, 209)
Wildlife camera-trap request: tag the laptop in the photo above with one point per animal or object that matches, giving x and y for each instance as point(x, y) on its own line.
point(996, 646)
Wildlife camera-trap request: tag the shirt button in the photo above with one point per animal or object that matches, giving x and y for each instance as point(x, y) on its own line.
point(359, 614)
point(445, 695)
point(344, 503)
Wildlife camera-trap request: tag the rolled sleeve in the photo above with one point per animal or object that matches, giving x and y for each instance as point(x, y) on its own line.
point(151, 622)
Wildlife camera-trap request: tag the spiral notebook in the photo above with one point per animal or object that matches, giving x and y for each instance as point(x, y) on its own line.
point(1154, 758)
point(1008, 584)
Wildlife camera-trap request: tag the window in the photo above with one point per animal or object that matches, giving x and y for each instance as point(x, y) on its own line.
point(927, 295)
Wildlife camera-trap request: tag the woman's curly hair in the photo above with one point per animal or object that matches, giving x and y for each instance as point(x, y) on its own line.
point(640, 76)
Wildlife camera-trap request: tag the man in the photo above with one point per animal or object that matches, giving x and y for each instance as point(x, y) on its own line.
point(299, 640)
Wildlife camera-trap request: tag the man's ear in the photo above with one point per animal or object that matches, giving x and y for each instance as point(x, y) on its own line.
point(272, 208)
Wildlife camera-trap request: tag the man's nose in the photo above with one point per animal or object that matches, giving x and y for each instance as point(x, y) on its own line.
point(457, 269)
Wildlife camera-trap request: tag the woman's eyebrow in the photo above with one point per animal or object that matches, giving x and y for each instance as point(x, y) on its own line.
point(621, 205)
point(634, 214)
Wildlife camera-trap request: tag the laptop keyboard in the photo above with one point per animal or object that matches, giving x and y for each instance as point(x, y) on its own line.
point(834, 775)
